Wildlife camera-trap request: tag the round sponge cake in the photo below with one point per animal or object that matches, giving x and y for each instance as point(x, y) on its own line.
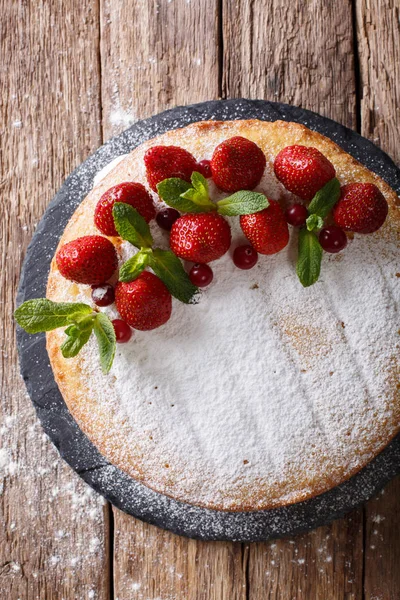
point(264, 393)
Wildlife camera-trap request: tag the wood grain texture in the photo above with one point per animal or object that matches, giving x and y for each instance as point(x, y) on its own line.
point(156, 55)
point(150, 563)
point(302, 55)
point(378, 35)
point(295, 52)
point(54, 530)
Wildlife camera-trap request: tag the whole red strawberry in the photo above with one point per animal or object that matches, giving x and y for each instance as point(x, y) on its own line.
point(303, 170)
point(144, 303)
point(237, 164)
point(200, 238)
point(128, 192)
point(91, 259)
point(163, 162)
point(361, 208)
point(267, 230)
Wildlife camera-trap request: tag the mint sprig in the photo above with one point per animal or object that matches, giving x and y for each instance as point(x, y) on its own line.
point(309, 259)
point(131, 226)
point(166, 265)
point(243, 202)
point(195, 197)
point(135, 265)
point(314, 222)
point(40, 315)
point(325, 199)
point(106, 340)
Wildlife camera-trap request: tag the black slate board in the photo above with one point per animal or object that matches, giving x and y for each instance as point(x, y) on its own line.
point(117, 487)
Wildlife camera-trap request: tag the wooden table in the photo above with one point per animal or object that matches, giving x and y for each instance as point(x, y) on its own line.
point(73, 74)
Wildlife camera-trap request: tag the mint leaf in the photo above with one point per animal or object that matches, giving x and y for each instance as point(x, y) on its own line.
point(325, 199)
point(172, 190)
point(243, 202)
point(131, 226)
point(309, 260)
point(134, 265)
point(76, 339)
point(167, 266)
point(42, 314)
point(314, 222)
point(199, 192)
point(106, 340)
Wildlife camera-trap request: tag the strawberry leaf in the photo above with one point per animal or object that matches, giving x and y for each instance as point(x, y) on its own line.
point(167, 266)
point(42, 314)
point(134, 265)
point(325, 199)
point(173, 190)
point(309, 260)
point(106, 340)
point(243, 202)
point(314, 222)
point(131, 226)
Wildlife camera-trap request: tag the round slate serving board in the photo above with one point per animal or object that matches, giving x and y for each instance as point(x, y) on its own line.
point(117, 487)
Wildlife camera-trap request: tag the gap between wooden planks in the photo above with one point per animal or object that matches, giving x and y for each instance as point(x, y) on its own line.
point(91, 71)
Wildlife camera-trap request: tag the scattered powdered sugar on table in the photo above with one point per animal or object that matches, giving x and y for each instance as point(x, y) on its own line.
point(261, 377)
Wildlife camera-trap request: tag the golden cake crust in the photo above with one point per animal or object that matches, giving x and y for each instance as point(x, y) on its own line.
point(96, 421)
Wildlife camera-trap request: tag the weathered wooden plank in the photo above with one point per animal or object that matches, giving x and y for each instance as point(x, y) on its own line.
point(378, 35)
point(291, 51)
point(326, 563)
point(54, 530)
point(300, 53)
point(168, 57)
point(149, 563)
point(382, 545)
point(156, 55)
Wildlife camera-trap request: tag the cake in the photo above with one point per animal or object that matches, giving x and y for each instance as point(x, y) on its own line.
point(261, 392)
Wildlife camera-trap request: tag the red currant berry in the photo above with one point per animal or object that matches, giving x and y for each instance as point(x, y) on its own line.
point(245, 257)
point(204, 167)
point(296, 215)
point(332, 239)
point(123, 332)
point(201, 275)
point(103, 295)
point(166, 218)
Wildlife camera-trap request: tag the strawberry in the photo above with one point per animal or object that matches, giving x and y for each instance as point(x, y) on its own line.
point(91, 259)
point(237, 164)
point(129, 192)
point(303, 170)
point(361, 208)
point(144, 303)
point(200, 237)
point(267, 230)
point(163, 162)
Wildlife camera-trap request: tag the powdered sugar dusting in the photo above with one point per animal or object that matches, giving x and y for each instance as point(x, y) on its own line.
point(263, 386)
